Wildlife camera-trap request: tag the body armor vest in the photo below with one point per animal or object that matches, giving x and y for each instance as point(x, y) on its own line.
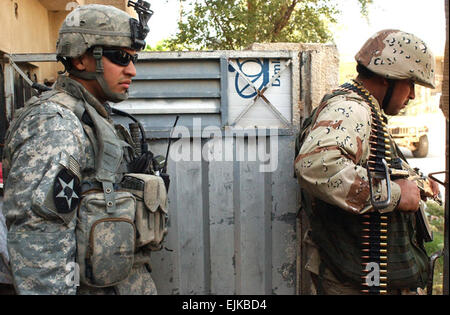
point(119, 221)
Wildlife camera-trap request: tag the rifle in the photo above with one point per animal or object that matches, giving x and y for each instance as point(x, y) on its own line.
point(401, 169)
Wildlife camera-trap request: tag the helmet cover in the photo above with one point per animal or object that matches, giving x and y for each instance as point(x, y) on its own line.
point(398, 55)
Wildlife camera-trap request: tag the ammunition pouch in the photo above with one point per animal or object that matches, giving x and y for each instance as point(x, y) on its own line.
point(147, 163)
point(106, 240)
point(151, 208)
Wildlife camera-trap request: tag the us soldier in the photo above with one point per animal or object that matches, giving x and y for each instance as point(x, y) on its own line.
point(343, 139)
point(5, 278)
point(69, 214)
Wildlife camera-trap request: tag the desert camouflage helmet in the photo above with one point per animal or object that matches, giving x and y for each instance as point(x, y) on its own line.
point(398, 55)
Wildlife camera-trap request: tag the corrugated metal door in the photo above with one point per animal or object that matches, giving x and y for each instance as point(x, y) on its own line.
point(232, 224)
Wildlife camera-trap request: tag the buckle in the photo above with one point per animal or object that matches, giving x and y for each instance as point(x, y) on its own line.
point(97, 52)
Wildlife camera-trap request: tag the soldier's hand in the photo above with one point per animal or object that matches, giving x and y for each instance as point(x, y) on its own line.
point(434, 187)
point(410, 198)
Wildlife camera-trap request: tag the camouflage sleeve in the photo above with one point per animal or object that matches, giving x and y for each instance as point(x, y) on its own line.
point(329, 163)
point(41, 237)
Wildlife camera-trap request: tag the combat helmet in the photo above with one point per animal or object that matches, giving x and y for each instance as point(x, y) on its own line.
point(96, 26)
point(398, 55)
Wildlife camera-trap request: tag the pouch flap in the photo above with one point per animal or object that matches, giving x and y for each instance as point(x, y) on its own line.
point(155, 194)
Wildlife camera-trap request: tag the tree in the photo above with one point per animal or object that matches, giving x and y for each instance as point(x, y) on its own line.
point(235, 24)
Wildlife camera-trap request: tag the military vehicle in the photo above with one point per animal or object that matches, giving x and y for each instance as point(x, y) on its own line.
point(410, 132)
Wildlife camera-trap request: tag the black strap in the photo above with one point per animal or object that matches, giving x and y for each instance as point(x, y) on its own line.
point(320, 278)
point(389, 92)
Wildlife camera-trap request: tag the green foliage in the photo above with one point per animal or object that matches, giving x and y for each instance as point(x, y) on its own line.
point(434, 209)
point(436, 219)
point(235, 24)
point(159, 46)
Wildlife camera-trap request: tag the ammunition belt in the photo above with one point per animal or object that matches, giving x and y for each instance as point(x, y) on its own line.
point(374, 230)
point(374, 253)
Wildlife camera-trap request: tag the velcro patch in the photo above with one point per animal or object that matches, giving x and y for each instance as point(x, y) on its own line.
point(66, 191)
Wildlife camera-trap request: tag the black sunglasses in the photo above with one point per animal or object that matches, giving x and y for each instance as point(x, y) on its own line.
point(120, 57)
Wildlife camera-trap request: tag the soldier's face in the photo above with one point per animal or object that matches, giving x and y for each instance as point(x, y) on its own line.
point(402, 94)
point(118, 77)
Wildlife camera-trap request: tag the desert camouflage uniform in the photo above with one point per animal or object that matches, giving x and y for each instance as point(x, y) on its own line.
point(331, 162)
point(41, 241)
point(331, 159)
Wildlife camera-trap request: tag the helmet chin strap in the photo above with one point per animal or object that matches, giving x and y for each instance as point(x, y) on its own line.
point(98, 75)
point(389, 92)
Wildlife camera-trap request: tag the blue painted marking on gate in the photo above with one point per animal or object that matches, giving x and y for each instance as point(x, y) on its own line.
point(246, 91)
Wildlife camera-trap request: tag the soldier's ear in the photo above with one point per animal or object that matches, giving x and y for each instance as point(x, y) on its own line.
point(81, 63)
point(383, 81)
point(379, 81)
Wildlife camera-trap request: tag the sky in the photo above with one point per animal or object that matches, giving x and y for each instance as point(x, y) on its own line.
point(424, 18)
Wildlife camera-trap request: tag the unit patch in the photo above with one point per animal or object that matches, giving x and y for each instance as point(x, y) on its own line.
point(66, 191)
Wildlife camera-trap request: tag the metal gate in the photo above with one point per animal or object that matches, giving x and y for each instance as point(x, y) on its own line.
point(232, 224)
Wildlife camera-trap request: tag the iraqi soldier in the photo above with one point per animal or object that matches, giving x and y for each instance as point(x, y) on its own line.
point(360, 218)
point(73, 195)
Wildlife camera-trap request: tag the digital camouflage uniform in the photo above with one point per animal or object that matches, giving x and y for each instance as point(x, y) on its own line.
point(50, 141)
point(41, 242)
point(331, 164)
point(5, 277)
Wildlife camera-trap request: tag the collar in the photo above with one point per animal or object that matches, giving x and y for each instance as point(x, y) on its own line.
point(77, 90)
point(359, 89)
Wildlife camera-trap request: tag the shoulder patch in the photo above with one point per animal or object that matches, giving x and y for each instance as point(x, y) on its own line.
point(66, 191)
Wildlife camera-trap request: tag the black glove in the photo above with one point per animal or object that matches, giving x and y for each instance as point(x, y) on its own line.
point(141, 164)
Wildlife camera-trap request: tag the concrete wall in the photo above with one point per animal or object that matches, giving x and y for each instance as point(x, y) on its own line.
point(25, 29)
point(120, 4)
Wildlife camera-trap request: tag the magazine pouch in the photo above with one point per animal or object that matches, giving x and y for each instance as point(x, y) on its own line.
point(151, 208)
point(106, 240)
